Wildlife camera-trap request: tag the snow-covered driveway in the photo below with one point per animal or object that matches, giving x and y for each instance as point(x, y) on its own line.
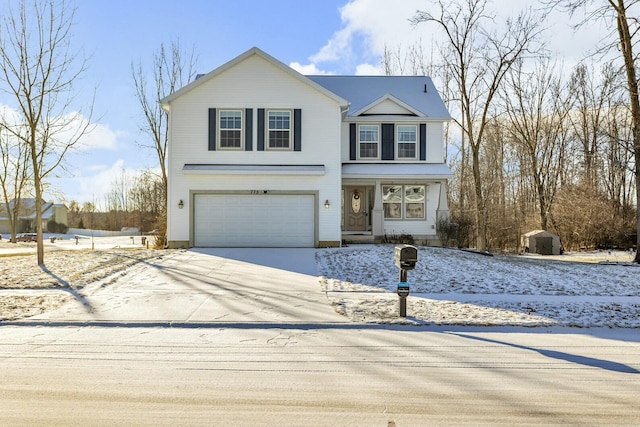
point(197, 286)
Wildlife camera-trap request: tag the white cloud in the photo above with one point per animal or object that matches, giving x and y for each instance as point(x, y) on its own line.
point(309, 69)
point(67, 128)
point(368, 70)
point(371, 26)
point(96, 181)
point(100, 137)
point(368, 26)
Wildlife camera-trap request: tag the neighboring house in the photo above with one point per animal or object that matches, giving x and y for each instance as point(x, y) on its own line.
point(263, 156)
point(27, 215)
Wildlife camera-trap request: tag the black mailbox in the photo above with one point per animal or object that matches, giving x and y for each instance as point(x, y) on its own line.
point(406, 257)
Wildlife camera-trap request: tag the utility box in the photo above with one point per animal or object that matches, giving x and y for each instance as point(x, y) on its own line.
point(406, 257)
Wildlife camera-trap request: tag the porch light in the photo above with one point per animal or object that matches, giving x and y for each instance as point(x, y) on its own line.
point(327, 205)
point(180, 204)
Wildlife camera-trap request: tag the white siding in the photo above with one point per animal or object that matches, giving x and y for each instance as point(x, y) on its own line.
point(435, 143)
point(435, 140)
point(254, 83)
point(388, 107)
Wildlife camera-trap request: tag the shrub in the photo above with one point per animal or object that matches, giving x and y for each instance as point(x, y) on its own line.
point(56, 227)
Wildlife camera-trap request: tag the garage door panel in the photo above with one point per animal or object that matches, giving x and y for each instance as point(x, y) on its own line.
point(241, 220)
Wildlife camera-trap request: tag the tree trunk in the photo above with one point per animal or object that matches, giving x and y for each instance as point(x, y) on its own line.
point(626, 45)
point(481, 214)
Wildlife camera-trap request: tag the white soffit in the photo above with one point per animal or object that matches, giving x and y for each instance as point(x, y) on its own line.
point(216, 169)
point(397, 171)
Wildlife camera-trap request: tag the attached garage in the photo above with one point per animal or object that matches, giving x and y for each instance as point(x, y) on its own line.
point(254, 220)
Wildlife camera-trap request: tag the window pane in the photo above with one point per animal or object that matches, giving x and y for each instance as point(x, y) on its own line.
point(368, 150)
point(278, 139)
point(279, 120)
point(230, 139)
point(414, 196)
point(392, 193)
point(407, 141)
point(279, 129)
point(407, 134)
point(230, 129)
point(369, 133)
point(392, 201)
point(368, 141)
point(230, 120)
point(406, 150)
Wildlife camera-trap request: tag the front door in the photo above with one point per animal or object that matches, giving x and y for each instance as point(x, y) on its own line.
point(356, 209)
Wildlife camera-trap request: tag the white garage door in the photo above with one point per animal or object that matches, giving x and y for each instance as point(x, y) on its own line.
point(265, 220)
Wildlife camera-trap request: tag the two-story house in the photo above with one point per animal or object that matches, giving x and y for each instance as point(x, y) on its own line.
point(263, 156)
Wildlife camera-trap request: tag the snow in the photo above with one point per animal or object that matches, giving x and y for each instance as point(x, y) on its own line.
point(448, 286)
point(27, 290)
point(454, 287)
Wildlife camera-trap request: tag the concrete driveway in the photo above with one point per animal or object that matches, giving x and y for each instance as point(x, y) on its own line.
point(209, 285)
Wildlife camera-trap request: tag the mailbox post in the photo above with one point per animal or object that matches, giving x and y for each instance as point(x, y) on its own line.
point(405, 257)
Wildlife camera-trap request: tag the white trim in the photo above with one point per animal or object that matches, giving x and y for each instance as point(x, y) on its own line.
point(358, 142)
point(403, 202)
point(165, 102)
point(218, 169)
point(398, 142)
point(219, 129)
point(267, 145)
point(389, 97)
point(388, 171)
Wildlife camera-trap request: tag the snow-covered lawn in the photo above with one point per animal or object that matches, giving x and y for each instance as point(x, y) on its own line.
point(27, 290)
point(448, 286)
point(451, 286)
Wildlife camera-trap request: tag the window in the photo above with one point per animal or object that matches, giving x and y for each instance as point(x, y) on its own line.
point(414, 197)
point(368, 140)
point(392, 201)
point(407, 142)
point(231, 129)
point(279, 130)
point(404, 201)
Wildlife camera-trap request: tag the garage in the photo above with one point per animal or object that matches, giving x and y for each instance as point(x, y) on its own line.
point(254, 220)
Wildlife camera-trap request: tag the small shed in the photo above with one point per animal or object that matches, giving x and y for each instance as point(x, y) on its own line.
point(541, 242)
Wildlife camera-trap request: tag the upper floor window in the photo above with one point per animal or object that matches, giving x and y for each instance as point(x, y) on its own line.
point(279, 130)
point(368, 141)
point(230, 129)
point(407, 141)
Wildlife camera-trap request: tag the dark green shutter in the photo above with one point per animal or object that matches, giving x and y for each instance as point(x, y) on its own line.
point(260, 129)
point(248, 129)
point(423, 141)
point(297, 129)
point(212, 129)
point(353, 141)
point(388, 138)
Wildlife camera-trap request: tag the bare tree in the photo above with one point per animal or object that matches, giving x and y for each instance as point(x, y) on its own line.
point(479, 60)
point(538, 107)
point(620, 14)
point(14, 175)
point(38, 70)
point(172, 68)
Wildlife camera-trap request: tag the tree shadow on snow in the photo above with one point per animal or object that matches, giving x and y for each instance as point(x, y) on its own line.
point(67, 287)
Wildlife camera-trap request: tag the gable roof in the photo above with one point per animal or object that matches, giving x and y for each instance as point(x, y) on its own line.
point(27, 209)
point(416, 93)
point(251, 52)
point(388, 97)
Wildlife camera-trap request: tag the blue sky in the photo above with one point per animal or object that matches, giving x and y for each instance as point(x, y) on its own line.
point(313, 36)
